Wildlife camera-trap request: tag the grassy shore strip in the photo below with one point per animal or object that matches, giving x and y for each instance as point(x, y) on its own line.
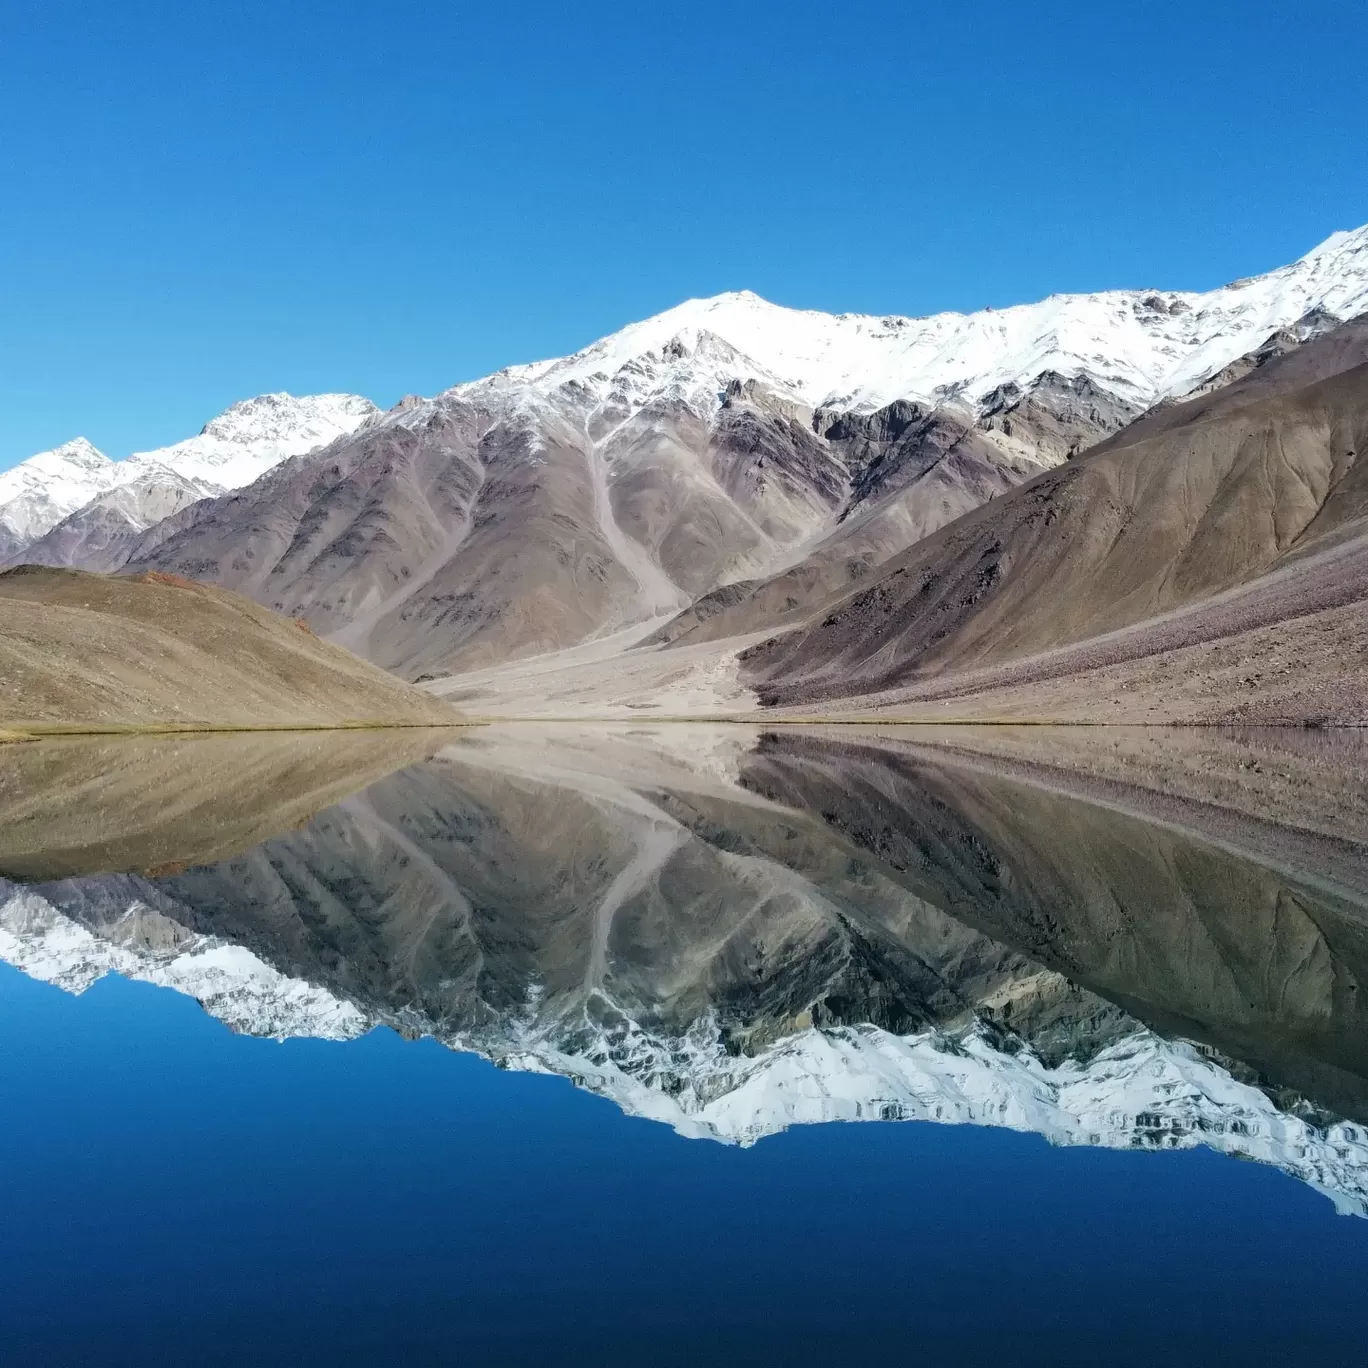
point(38, 731)
point(11, 733)
point(762, 719)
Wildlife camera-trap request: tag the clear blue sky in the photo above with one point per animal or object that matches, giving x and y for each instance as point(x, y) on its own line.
point(205, 201)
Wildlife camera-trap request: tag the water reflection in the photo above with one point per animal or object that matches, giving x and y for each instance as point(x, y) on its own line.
point(1120, 939)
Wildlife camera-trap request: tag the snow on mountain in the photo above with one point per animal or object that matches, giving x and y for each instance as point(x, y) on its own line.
point(1143, 1092)
point(154, 493)
point(678, 356)
point(47, 487)
point(1141, 345)
point(99, 534)
point(1137, 345)
point(232, 450)
point(250, 437)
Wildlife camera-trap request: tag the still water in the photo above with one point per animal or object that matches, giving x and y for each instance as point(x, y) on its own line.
point(543, 1045)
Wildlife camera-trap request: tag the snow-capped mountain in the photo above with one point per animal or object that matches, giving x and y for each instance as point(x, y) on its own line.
point(232, 450)
point(251, 436)
point(97, 536)
point(39, 493)
point(1140, 345)
point(154, 493)
point(727, 442)
point(1143, 1092)
point(724, 443)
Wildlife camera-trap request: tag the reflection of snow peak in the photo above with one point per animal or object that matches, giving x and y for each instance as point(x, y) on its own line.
point(229, 982)
point(1140, 1093)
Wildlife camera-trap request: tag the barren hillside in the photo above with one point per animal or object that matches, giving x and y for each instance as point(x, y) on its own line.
point(91, 651)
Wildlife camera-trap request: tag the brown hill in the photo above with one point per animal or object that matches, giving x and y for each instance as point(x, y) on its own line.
point(1256, 490)
point(87, 651)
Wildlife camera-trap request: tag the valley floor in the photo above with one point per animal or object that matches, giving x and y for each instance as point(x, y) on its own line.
point(1224, 664)
point(613, 679)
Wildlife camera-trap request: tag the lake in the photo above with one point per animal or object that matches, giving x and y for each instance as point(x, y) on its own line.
point(685, 1044)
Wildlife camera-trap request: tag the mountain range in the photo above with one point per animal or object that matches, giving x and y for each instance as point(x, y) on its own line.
point(73, 505)
point(756, 506)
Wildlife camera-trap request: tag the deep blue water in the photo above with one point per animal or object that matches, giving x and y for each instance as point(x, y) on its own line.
point(172, 1193)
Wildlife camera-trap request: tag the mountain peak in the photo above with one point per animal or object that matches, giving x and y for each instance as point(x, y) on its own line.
point(231, 450)
point(38, 493)
point(1352, 238)
point(1137, 345)
point(252, 435)
point(280, 415)
point(79, 450)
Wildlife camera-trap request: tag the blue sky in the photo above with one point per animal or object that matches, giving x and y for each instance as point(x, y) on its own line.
point(203, 202)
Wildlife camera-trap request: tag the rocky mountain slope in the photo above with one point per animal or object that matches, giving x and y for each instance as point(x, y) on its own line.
point(99, 535)
point(722, 445)
point(99, 500)
point(1254, 491)
point(724, 469)
point(40, 492)
point(734, 940)
point(90, 652)
point(476, 528)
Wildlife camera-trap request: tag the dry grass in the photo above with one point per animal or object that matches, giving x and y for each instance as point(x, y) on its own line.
point(108, 654)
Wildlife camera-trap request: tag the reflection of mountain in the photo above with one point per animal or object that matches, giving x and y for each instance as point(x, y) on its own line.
point(853, 930)
point(77, 805)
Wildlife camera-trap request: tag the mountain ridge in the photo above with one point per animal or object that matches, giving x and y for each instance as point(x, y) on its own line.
point(231, 450)
point(727, 455)
point(1202, 500)
point(1180, 337)
point(556, 504)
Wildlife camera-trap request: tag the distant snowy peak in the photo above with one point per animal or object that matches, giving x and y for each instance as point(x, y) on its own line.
point(1140, 345)
point(77, 455)
point(99, 533)
point(251, 436)
point(693, 365)
point(47, 487)
point(290, 420)
point(232, 450)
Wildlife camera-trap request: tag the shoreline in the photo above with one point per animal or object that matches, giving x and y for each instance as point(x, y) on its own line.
point(14, 733)
point(11, 733)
